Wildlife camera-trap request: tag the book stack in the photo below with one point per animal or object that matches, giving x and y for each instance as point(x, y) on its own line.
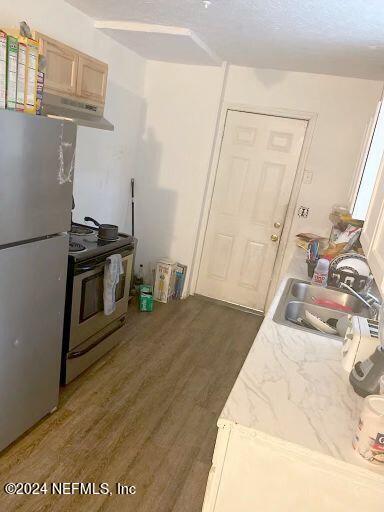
point(169, 280)
point(19, 61)
point(3, 69)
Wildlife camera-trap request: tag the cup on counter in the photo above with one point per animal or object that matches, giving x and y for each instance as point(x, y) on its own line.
point(368, 440)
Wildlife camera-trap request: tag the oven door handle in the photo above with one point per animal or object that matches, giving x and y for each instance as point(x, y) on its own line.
point(79, 353)
point(86, 268)
point(91, 267)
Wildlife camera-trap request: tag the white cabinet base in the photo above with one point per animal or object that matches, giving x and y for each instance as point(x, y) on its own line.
point(254, 471)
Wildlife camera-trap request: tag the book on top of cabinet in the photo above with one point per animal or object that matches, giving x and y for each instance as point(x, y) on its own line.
point(22, 62)
point(31, 76)
point(21, 71)
point(12, 57)
point(3, 68)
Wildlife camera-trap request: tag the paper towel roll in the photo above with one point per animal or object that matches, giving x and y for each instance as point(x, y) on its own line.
point(369, 437)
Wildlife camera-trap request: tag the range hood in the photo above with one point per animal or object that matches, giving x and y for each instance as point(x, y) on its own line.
point(82, 113)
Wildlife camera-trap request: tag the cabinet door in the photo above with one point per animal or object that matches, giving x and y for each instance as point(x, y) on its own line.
point(62, 66)
point(92, 79)
point(265, 473)
point(372, 237)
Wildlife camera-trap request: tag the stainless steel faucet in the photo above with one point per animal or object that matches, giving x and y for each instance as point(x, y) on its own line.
point(372, 302)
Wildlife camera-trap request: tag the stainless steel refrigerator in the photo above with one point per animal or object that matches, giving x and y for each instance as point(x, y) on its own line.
point(36, 173)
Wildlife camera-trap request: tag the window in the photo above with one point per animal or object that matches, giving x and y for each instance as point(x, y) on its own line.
point(371, 158)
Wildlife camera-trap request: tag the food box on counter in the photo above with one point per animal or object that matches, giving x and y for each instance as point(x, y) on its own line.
point(145, 297)
point(165, 274)
point(3, 68)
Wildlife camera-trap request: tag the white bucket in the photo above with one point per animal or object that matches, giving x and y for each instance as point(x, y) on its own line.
point(369, 437)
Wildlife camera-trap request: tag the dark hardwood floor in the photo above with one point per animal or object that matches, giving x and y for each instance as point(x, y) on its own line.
point(143, 415)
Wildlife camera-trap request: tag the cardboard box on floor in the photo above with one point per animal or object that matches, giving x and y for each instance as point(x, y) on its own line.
point(165, 274)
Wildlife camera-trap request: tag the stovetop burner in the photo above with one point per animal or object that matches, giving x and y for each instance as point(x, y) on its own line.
point(80, 230)
point(85, 244)
point(76, 247)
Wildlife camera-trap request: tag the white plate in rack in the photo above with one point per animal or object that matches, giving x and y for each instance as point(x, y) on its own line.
point(318, 324)
point(356, 262)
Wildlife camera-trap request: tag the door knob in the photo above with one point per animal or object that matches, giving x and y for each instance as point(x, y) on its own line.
point(274, 238)
point(277, 225)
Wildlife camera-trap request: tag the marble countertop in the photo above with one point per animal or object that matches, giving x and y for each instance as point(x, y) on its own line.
point(292, 386)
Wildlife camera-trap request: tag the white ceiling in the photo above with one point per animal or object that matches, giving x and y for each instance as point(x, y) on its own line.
point(342, 37)
point(160, 42)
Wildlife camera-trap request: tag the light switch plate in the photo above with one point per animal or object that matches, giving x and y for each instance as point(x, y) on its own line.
point(303, 211)
point(307, 177)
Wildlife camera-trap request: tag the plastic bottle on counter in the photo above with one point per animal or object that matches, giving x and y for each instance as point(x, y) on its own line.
point(320, 275)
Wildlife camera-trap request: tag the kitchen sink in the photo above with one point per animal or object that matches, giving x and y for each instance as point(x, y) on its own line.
point(300, 296)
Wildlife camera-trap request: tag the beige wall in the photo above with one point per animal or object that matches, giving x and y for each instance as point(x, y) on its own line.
point(343, 107)
point(104, 160)
point(173, 158)
point(165, 140)
point(182, 108)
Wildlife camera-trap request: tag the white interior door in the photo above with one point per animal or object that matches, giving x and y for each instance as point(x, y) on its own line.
point(257, 166)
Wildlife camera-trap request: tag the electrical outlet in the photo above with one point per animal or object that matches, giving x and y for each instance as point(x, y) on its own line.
point(303, 211)
point(307, 177)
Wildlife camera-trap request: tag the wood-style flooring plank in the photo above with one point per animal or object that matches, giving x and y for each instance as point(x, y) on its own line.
point(145, 414)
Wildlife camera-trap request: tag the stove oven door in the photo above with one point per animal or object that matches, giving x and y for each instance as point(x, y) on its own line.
point(88, 316)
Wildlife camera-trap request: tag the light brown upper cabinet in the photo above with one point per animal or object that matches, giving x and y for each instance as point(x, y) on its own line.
point(72, 73)
point(92, 79)
point(62, 65)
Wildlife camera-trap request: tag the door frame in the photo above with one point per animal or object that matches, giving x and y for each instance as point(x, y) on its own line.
point(311, 118)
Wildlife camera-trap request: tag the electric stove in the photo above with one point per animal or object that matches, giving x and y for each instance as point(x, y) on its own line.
point(88, 332)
